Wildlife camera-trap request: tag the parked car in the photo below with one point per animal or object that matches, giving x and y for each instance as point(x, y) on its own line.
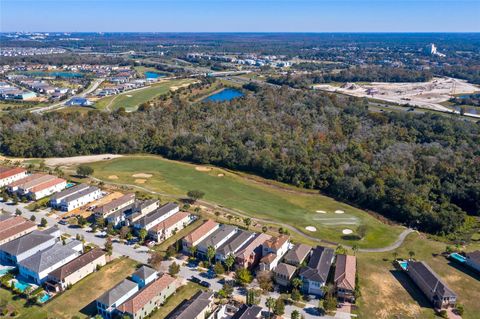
point(195, 280)
point(205, 284)
point(63, 222)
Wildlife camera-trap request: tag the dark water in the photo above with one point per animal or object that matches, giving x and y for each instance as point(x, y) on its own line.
point(224, 95)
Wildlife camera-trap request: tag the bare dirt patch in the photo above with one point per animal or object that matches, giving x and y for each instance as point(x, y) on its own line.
point(113, 177)
point(203, 168)
point(75, 160)
point(140, 181)
point(142, 175)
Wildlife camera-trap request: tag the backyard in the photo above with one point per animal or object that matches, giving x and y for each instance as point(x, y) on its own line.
point(325, 217)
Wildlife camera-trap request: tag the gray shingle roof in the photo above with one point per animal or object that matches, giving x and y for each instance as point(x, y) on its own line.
point(319, 264)
point(193, 307)
point(49, 257)
point(431, 278)
point(248, 312)
point(117, 292)
point(25, 243)
point(217, 236)
point(474, 256)
point(234, 243)
point(144, 272)
point(69, 191)
point(156, 214)
point(285, 270)
point(298, 253)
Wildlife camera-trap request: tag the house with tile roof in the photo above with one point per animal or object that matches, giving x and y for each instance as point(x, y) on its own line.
point(199, 234)
point(283, 274)
point(272, 251)
point(168, 227)
point(297, 255)
point(37, 267)
point(344, 278)
point(77, 269)
point(439, 294)
point(13, 227)
point(315, 274)
point(152, 296)
point(47, 188)
point(21, 248)
point(108, 302)
point(249, 256)
point(11, 174)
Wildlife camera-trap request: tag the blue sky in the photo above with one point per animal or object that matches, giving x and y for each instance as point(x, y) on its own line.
point(244, 16)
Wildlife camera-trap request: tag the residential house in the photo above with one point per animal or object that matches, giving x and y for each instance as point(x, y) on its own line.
point(156, 217)
point(21, 248)
point(108, 302)
point(216, 239)
point(144, 275)
point(141, 208)
point(119, 217)
point(11, 174)
point(297, 255)
point(473, 259)
point(272, 251)
point(199, 234)
point(77, 269)
point(248, 312)
point(196, 308)
point(78, 101)
point(152, 296)
point(13, 227)
point(37, 267)
point(249, 255)
point(170, 226)
point(233, 244)
point(344, 279)
point(114, 205)
point(74, 197)
point(47, 188)
point(315, 275)
point(431, 285)
point(283, 274)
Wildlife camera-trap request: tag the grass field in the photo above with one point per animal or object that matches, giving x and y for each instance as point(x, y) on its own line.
point(132, 99)
point(79, 300)
point(276, 203)
point(181, 294)
point(388, 293)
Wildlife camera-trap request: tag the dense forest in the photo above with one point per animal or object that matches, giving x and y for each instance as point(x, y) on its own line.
point(422, 170)
point(357, 74)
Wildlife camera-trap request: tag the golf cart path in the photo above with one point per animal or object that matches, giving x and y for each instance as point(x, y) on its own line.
point(213, 206)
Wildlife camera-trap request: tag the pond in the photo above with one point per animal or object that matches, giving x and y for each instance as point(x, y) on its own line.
point(224, 95)
point(154, 75)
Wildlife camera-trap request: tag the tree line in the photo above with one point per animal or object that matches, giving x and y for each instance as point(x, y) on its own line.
point(419, 169)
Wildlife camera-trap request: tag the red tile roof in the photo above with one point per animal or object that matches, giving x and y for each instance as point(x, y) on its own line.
point(26, 179)
point(141, 298)
point(170, 221)
point(46, 185)
point(8, 171)
point(12, 226)
point(201, 231)
point(254, 244)
point(345, 270)
point(276, 242)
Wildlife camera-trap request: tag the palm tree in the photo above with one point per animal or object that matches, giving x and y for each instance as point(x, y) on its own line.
point(210, 253)
point(297, 282)
point(411, 253)
point(270, 303)
point(247, 221)
point(355, 249)
point(193, 250)
point(229, 261)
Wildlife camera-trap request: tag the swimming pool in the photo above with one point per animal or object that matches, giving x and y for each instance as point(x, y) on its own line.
point(20, 285)
point(70, 185)
point(403, 264)
point(3, 272)
point(44, 298)
point(458, 257)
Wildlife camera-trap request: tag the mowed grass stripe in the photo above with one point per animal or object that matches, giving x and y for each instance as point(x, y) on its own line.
point(255, 199)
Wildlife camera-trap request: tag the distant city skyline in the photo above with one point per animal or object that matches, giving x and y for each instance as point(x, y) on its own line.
point(239, 16)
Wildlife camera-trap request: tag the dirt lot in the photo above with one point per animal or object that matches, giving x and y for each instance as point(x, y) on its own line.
point(426, 95)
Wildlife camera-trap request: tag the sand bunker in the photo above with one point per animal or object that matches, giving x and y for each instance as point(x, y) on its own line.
point(347, 231)
point(220, 175)
point(310, 228)
point(320, 211)
point(140, 181)
point(142, 175)
point(113, 177)
point(339, 212)
point(129, 95)
point(203, 168)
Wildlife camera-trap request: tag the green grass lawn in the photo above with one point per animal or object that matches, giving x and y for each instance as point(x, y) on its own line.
point(183, 293)
point(276, 203)
point(131, 100)
point(79, 300)
point(17, 303)
point(388, 293)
